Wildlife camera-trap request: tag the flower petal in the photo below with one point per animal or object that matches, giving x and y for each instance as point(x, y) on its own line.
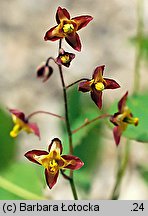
point(55, 145)
point(111, 84)
point(98, 73)
point(74, 41)
point(117, 131)
point(85, 86)
point(55, 33)
point(31, 155)
point(122, 102)
point(74, 162)
point(82, 21)
point(34, 128)
point(44, 71)
point(62, 14)
point(97, 97)
point(18, 114)
point(51, 179)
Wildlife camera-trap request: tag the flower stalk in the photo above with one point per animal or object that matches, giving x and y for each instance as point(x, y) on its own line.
point(45, 112)
point(67, 125)
point(122, 165)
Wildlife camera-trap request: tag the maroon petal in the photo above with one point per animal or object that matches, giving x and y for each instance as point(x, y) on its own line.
point(62, 14)
point(82, 21)
point(122, 102)
point(117, 131)
point(55, 145)
point(30, 155)
point(51, 179)
point(111, 84)
point(44, 72)
point(35, 129)
point(18, 114)
point(97, 97)
point(76, 163)
point(54, 34)
point(74, 41)
point(98, 73)
point(85, 86)
point(113, 119)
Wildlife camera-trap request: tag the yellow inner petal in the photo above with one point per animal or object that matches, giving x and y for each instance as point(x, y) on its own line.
point(68, 28)
point(126, 118)
point(15, 131)
point(65, 59)
point(99, 86)
point(18, 126)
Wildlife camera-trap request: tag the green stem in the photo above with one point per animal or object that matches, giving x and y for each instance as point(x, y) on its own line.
point(91, 121)
point(67, 125)
point(138, 46)
point(20, 192)
point(122, 165)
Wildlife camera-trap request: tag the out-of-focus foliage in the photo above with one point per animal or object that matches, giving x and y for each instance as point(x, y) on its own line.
point(138, 105)
point(7, 144)
point(143, 170)
point(25, 176)
point(144, 45)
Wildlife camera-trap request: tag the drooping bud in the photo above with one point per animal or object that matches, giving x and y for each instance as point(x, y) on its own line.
point(44, 72)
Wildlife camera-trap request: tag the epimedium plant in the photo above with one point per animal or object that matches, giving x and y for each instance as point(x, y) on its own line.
point(52, 160)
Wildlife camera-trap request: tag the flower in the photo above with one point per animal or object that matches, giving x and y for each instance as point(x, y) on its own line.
point(122, 118)
point(67, 28)
point(97, 84)
point(53, 161)
point(22, 123)
point(44, 71)
point(64, 58)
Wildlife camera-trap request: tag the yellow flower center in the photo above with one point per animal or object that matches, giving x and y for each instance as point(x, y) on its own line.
point(99, 86)
point(15, 131)
point(68, 28)
point(131, 120)
point(65, 58)
point(53, 166)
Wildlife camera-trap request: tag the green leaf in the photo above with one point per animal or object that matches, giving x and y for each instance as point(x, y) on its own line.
point(138, 105)
point(7, 144)
point(90, 152)
point(143, 170)
point(24, 175)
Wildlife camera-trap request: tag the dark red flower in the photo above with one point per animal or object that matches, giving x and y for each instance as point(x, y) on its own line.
point(53, 161)
point(67, 28)
point(44, 71)
point(64, 58)
point(122, 118)
point(97, 84)
point(21, 123)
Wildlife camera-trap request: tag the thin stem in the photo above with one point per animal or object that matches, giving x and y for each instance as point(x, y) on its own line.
point(67, 126)
point(83, 79)
point(73, 188)
point(44, 112)
point(71, 184)
point(89, 122)
point(50, 58)
point(138, 46)
point(122, 165)
point(20, 192)
point(66, 106)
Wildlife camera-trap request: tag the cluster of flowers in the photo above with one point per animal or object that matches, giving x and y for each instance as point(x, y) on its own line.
point(52, 160)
